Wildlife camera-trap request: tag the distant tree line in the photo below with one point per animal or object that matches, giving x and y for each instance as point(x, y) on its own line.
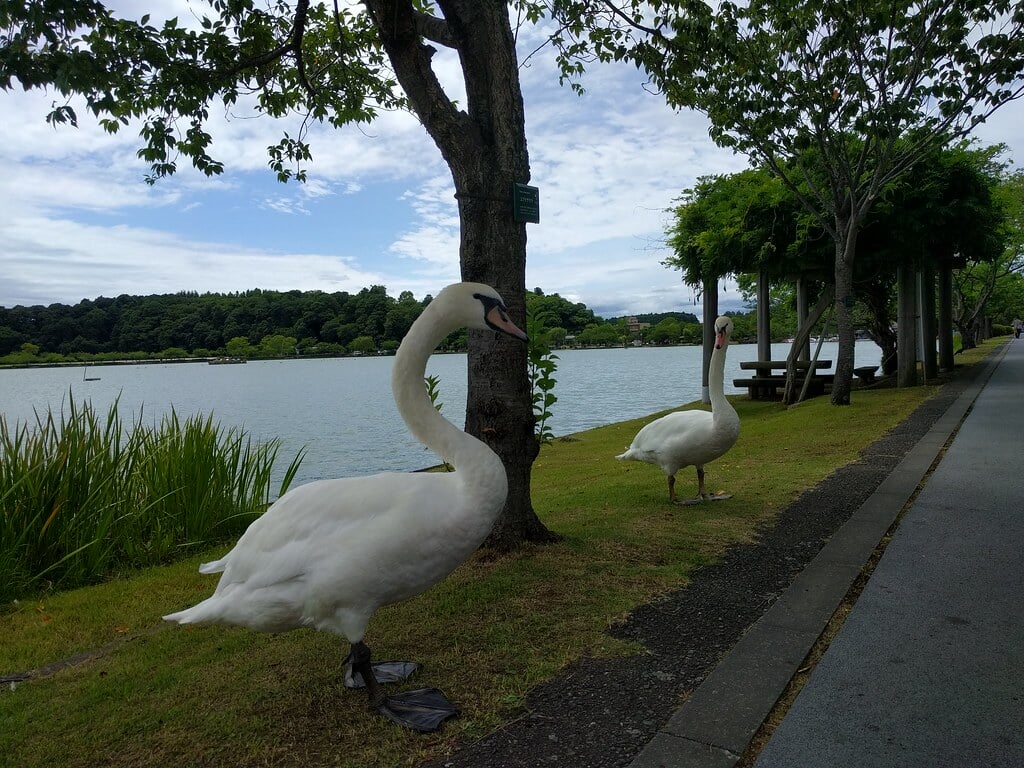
point(253, 323)
point(274, 324)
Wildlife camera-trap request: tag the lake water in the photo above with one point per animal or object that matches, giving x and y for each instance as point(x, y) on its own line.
point(341, 409)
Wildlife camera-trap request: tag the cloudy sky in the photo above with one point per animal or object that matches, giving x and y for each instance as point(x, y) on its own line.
point(78, 221)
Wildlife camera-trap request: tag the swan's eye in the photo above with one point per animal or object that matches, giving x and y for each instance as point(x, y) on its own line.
point(490, 303)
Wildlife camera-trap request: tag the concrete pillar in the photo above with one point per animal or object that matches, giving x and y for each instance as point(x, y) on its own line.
point(764, 318)
point(906, 331)
point(945, 301)
point(802, 308)
point(710, 315)
point(926, 288)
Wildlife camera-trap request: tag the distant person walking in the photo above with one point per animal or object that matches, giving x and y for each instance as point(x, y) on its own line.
point(1016, 328)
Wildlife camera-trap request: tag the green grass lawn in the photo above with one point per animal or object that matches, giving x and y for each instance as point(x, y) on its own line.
point(150, 694)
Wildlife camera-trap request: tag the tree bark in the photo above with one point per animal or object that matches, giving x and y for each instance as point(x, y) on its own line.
point(485, 149)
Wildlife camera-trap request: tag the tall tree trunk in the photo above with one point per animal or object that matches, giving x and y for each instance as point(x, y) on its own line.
point(846, 245)
point(484, 146)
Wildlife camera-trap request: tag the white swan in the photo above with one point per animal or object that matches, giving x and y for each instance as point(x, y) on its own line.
point(328, 554)
point(685, 438)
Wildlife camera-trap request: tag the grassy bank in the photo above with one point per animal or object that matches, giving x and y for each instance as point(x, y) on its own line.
point(154, 695)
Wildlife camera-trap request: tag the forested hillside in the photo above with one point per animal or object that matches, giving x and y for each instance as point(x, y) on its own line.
point(653, 318)
point(260, 323)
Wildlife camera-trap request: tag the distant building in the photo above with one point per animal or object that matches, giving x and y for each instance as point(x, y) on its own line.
point(635, 326)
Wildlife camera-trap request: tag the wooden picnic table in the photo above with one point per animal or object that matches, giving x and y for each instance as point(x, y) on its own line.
point(764, 384)
point(767, 366)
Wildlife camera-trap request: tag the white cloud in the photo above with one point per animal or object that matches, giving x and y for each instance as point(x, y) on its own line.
point(77, 259)
point(78, 221)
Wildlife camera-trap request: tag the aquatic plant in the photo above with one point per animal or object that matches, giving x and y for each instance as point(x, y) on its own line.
point(83, 497)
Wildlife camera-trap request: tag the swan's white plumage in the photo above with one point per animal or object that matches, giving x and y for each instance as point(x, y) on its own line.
point(327, 554)
point(692, 438)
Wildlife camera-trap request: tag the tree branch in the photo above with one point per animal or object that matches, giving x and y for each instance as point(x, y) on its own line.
point(434, 29)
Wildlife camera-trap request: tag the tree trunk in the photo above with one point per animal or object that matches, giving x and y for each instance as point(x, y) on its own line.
point(484, 146)
point(846, 245)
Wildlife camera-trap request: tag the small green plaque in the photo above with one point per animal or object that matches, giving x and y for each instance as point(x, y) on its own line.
point(526, 203)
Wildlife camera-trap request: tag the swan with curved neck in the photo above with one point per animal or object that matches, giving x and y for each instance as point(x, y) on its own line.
point(328, 554)
point(684, 438)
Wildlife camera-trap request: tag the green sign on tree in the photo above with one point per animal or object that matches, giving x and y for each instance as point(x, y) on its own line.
point(526, 203)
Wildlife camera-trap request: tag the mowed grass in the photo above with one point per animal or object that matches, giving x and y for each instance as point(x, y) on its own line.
point(150, 694)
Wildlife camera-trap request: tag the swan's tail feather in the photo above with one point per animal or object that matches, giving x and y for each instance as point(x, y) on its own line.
point(627, 456)
point(217, 566)
point(197, 614)
point(181, 617)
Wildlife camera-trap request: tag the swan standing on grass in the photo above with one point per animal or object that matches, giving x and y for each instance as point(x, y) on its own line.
point(685, 438)
point(326, 555)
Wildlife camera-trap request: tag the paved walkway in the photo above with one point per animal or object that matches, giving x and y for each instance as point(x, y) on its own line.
point(928, 669)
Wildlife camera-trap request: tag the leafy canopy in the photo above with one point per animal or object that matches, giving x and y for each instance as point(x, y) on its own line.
point(848, 80)
point(323, 63)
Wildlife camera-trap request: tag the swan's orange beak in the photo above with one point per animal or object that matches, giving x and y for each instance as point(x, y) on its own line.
point(497, 318)
point(719, 339)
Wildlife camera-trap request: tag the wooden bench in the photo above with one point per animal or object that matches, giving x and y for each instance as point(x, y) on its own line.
point(765, 367)
point(765, 385)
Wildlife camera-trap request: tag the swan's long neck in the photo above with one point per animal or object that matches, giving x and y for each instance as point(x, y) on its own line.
point(721, 408)
point(464, 451)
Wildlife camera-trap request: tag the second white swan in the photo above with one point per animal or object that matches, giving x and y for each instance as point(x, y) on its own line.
point(684, 438)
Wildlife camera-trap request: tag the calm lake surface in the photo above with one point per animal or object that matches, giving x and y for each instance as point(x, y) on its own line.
point(341, 409)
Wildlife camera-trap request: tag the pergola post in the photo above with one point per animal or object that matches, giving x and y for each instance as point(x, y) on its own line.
point(945, 291)
point(929, 361)
point(710, 315)
point(802, 310)
point(906, 331)
point(764, 317)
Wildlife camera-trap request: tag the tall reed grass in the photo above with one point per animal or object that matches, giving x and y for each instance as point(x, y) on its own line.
point(84, 497)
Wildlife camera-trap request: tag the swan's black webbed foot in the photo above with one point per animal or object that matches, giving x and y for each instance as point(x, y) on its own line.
point(384, 671)
point(702, 499)
point(423, 709)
